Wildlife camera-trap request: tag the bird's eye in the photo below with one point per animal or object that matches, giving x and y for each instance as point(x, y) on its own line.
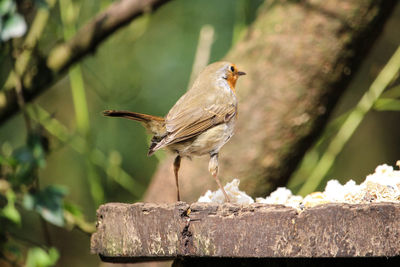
point(232, 68)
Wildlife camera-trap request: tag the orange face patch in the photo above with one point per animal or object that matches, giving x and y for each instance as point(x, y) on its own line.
point(232, 77)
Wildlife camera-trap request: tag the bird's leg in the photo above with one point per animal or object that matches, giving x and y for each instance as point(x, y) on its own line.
point(213, 168)
point(177, 165)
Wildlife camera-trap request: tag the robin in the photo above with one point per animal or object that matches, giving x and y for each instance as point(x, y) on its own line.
point(199, 123)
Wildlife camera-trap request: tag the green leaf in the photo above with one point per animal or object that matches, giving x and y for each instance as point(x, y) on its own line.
point(9, 211)
point(393, 92)
point(23, 154)
point(13, 248)
point(387, 104)
point(25, 161)
point(6, 7)
point(41, 4)
point(73, 209)
point(13, 26)
point(48, 203)
point(39, 155)
point(36, 143)
point(24, 165)
point(38, 257)
point(74, 218)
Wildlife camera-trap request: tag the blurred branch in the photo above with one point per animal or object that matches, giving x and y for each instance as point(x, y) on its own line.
point(85, 41)
point(202, 57)
point(98, 29)
point(21, 103)
point(79, 223)
point(351, 123)
point(77, 143)
point(30, 42)
point(68, 18)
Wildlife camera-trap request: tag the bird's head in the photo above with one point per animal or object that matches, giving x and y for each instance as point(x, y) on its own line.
point(220, 71)
point(232, 74)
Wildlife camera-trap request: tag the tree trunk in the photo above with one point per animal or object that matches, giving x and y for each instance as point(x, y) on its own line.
point(299, 57)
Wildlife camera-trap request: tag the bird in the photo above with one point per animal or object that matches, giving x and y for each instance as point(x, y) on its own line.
point(200, 122)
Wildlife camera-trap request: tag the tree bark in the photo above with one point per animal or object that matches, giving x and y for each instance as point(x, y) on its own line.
point(145, 231)
point(299, 56)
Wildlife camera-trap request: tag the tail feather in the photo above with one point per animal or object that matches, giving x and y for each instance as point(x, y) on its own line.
point(132, 115)
point(156, 125)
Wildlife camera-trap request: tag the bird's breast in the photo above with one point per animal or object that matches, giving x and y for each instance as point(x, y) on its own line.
point(208, 142)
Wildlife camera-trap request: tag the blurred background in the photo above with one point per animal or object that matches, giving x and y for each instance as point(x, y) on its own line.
point(83, 159)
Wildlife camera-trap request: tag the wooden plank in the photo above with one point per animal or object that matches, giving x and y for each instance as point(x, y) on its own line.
point(144, 231)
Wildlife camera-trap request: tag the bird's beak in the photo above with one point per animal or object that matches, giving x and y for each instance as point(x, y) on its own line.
point(240, 73)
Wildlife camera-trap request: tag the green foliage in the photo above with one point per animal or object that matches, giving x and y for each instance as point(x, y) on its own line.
point(387, 104)
point(38, 257)
point(41, 3)
point(9, 211)
point(389, 101)
point(18, 188)
point(11, 250)
point(148, 62)
point(392, 92)
point(48, 203)
point(74, 217)
point(12, 24)
point(25, 161)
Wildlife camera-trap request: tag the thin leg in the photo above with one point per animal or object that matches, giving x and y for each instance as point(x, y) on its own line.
point(213, 168)
point(222, 188)
point(177, 165)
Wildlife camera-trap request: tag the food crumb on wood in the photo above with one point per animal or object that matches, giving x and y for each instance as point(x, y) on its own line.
point(381, 186)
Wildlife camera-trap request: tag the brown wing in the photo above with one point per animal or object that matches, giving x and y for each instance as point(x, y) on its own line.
point(194, 121)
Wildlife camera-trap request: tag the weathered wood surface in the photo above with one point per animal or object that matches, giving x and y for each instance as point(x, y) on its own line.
point(137, 232)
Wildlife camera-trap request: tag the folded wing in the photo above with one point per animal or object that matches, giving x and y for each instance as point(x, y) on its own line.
point(191, 122)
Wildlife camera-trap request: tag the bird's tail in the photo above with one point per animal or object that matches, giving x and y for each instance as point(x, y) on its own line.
point(156, 125)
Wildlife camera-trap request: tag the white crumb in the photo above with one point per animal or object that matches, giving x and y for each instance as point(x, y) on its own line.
point(381, 186)
point(234, 194)
point(282, 196)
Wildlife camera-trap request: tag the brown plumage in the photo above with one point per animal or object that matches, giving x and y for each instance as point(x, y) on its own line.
point(200, 122)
